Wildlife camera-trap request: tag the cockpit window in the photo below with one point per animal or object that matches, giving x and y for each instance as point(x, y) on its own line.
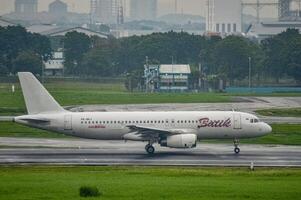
point(254, 120)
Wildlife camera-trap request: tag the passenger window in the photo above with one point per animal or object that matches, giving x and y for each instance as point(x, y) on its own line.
point(251, 120)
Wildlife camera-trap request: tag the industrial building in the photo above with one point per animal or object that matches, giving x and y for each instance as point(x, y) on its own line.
point(143, 9)
point(58, 8)
point(289, 16)
point(105, 11)
point(166, 78)
point(263, 30)
point(224, 16)
point(27, 7)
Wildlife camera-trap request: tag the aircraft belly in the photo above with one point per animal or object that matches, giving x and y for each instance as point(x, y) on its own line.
point(101, 134)
point(217, 133)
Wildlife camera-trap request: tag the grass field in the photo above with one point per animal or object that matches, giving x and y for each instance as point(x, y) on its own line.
point(77, 93)
point(289, 134)
point(284, 112)
point(150, 183)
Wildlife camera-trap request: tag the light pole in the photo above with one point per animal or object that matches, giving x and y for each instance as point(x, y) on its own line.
point(250, 72)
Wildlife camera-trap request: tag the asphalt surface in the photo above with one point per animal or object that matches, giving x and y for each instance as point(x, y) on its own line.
point(91, 152)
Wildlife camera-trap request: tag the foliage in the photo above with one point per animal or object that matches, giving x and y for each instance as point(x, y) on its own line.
point(88, 191)
point(27, 61)
point(283, 54)
point(15, 40)
point(76, 45)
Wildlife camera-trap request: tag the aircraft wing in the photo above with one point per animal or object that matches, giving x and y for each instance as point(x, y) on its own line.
point(152, 130)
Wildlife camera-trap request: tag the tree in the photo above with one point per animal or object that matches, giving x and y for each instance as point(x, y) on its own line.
point(76, 45)
point(294, 61)
point(279, 53)
point(28, 61)
point(231, 57)
point(15, 39)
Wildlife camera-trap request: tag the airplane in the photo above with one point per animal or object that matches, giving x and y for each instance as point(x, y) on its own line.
point(168, 129)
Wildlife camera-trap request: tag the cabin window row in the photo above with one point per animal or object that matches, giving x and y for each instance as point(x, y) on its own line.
point(140, 122)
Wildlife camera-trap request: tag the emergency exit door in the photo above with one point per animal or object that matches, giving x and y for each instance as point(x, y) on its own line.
point(68, 122)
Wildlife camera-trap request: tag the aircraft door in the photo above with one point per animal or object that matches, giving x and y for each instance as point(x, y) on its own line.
point(237, 121)
point(68, 122)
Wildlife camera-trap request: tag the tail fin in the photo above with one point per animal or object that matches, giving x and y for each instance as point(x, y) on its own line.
point(37, 98)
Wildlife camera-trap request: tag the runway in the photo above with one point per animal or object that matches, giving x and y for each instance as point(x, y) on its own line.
point(90, 152)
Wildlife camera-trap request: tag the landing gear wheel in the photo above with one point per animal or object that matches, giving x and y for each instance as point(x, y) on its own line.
point(149, 149)
point(236, 150)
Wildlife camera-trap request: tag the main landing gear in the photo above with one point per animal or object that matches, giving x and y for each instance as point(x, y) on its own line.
point(149, 149)
point(236, 148)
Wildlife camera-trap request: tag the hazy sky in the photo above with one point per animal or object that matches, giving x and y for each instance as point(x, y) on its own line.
point(164, 6)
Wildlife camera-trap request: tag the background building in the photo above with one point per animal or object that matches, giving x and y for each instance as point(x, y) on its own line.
point(29, 7)
point(105, 11)
point(224, 16)
point(166, 77)
point(143, 9)
point(58, 8)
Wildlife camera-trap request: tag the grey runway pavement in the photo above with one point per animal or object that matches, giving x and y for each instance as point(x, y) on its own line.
point(90, 152)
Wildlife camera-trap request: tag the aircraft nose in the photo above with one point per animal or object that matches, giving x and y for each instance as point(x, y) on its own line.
point(267, 128)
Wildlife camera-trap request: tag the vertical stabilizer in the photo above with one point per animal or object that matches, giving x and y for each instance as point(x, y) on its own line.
point(37, 98)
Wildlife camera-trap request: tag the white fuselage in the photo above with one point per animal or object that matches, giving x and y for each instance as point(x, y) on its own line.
point(114, 125)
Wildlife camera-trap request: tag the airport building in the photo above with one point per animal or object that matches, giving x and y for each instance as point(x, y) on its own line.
point(54, 66)
point(166, 78)
point(224, 16)
point(143, 9)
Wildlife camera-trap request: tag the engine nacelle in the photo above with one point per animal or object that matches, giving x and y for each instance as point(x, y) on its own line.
point(179, 141)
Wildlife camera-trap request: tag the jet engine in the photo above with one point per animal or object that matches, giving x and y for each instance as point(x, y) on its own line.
point(179, 141)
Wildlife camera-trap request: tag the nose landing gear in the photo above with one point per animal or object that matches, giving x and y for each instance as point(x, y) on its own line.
point(236, 148)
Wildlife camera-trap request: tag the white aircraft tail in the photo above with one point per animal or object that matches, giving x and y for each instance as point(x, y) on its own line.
point(37, 98)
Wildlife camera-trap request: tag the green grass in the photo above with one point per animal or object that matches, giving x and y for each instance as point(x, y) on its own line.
point(10, 129)
point(79, 93)
point(52, 183)
point(288, 134)
point(284, 112)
